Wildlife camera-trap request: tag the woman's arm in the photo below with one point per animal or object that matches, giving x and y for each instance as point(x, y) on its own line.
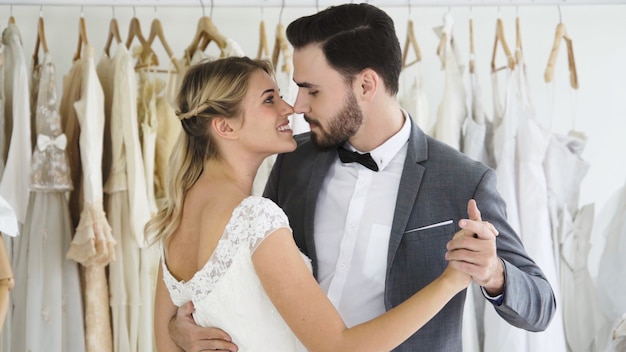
point(164, 310)
point(316, 322)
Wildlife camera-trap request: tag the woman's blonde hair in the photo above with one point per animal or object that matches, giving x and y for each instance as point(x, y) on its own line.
point(208, 90)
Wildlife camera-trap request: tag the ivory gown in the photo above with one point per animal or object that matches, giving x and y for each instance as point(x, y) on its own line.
point(452, 110)
point(14, 186)
point(48, 314)
point(93, 244)
point(475, 143)
point(610, 271)
point(127, 209)
point(535, 231)
point(500, 335)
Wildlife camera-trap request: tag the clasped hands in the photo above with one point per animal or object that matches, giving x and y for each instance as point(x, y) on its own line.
point(473, 251)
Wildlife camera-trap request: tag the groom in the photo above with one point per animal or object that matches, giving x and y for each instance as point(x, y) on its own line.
point(379, 230)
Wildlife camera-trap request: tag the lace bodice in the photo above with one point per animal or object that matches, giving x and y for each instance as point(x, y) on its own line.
point(50, 168)
point(226, 291)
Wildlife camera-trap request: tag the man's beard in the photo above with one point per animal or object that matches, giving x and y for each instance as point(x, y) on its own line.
point(341, 127)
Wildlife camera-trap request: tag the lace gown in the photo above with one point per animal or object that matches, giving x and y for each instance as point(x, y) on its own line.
point(49, 314)
point(227, 293)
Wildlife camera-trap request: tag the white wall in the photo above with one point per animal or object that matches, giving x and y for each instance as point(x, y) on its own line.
point(598, 33)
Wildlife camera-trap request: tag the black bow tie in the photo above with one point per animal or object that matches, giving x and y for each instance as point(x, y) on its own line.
point(347, 156)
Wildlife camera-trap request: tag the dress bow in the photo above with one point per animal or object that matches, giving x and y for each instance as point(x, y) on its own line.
point(59, 142)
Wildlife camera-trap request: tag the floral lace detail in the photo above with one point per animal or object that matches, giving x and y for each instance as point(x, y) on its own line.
point(252, 221)
point(50, 168)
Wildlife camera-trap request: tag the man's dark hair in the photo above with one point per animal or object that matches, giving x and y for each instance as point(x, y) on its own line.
point(353, 37)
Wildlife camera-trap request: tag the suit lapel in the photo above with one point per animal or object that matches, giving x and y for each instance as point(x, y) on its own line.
point(319, 169)
point(410, 181)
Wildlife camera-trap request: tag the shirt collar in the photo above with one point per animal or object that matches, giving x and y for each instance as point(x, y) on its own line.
point(384, 153)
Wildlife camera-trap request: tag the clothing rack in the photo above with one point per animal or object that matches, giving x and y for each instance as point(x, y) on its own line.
point(302, 3)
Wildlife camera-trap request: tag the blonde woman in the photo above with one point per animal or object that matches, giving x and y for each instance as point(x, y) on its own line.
point(232, 254)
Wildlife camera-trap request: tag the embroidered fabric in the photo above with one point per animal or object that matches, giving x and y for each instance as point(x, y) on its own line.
point(227, 293)
point(251, 222)
point(50, 168)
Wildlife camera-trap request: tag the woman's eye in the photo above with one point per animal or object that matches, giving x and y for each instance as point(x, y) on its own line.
point(313, 92)
point(269, 99)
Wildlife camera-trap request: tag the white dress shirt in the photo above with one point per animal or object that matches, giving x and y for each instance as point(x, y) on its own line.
point(353, 221)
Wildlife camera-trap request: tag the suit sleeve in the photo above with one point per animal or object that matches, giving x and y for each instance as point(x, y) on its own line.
point(529, 301)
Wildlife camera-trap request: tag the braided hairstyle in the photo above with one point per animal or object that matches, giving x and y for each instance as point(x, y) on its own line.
point(209, 89)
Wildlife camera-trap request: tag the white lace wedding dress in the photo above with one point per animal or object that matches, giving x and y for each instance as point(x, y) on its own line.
point(227, 293)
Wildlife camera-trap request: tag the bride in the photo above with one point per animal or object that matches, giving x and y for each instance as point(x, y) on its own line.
point(233, 254)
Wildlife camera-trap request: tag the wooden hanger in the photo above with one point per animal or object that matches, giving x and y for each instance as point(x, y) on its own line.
point(134, 31)
point(518, 40)
point(448, 23)
point(205, 33)
point(156, 31)
point(114, 33)
point(411, 41)
point(41, 40)
point(11, 18)
point(442, 42)
point(263, 51)
point(500, 39)
point(471, 35)
point(82, 37)
point(281, 46)
point(561, 34)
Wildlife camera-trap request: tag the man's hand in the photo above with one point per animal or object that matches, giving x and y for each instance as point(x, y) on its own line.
point(192, 338)
point(473, 251)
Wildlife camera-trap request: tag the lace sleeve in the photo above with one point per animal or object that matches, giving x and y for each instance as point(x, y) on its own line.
point(261, 217)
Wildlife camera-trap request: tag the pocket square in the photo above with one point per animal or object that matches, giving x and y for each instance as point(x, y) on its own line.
point(443, 223)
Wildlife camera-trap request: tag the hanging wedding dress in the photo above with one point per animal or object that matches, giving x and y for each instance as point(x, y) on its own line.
point(413, 99)
point(93, 244)
point(153, 125)
point(571, 226)
point(452, 110)
point(532, 193)
point(15, 184)
point(476, 133)
point(127, 208)
point(611, 281)
point(500, 335)
point(49, 314)
point(4, 147)
point(477, 128)
point(169, 128)
point(72, 92)
point(8, 221)
point(4, 143)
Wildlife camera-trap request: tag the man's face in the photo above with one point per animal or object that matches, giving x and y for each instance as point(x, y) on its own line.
point(325, 99)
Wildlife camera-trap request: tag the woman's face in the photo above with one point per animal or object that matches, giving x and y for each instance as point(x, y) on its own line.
point(265, 125)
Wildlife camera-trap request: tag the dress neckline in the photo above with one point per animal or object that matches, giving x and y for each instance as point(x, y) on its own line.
point(220, 243)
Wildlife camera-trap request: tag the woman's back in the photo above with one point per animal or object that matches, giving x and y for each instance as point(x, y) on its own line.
point(226, 291)
point(207, 208)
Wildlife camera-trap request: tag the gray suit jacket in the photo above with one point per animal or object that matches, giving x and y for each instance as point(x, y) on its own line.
point(436, 184)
